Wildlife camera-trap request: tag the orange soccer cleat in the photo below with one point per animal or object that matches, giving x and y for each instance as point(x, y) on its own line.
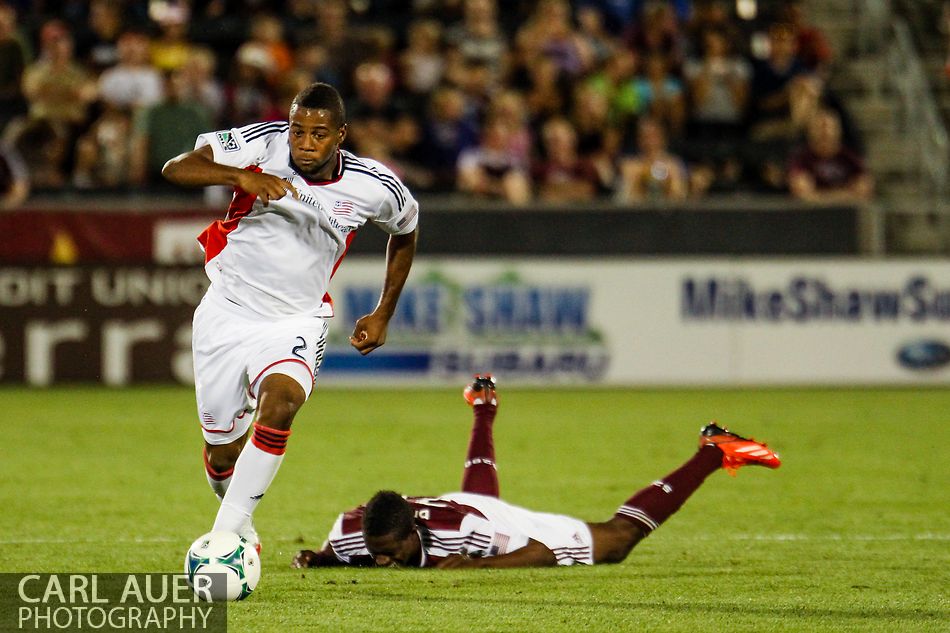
point(737, 451)
point(481, 391)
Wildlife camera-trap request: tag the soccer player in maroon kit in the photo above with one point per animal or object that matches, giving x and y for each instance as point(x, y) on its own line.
point(474, 528)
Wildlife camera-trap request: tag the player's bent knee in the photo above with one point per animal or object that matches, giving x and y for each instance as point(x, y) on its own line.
point(280, 398)
point(614, 539)
point(221, 457)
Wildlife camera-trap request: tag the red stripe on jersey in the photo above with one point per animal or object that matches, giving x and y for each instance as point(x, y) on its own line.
point(349, 240)
point(214, 238)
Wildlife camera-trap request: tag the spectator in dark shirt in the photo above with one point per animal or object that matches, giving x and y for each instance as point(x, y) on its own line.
point(563, 175)
point(479, 36)
point(658, 32)
point(44, 147)
point(598, 138)
point(719, 90)
point(784, 94)
point(814, 51)
point(97, 43)
point(12, 64)
point(490, 170)
point(824, 170)
point(449, 129)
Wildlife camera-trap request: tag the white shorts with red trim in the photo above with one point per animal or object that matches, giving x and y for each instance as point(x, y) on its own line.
point(234, 350)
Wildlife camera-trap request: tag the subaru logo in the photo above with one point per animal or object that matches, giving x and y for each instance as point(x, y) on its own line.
point(924, 354)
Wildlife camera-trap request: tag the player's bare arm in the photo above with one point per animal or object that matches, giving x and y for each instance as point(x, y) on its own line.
point(534, 554)
point(309, 558)
point(370, 330)
point(198, 169)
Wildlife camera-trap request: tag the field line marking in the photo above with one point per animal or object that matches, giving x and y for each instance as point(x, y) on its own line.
point(926, 536)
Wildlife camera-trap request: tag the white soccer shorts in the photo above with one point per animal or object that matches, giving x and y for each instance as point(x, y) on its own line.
point(235, 349)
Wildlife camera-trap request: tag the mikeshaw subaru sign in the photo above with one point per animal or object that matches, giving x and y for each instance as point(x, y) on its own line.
point(532, 321)
point(452, 323)
point(655, 322)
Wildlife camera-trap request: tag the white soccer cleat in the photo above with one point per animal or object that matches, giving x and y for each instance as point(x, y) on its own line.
point(249, 534)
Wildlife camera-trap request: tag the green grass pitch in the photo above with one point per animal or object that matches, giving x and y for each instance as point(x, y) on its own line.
point(851, 534)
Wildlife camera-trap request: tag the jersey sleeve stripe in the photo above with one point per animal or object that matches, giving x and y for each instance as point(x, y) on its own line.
point(392, 189)
point(248, 129)
point(396, 185)
point(350, 536)
point(387, 181)
point(265, 131)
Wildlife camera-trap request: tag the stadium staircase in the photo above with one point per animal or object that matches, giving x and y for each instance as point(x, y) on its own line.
point(894, 90)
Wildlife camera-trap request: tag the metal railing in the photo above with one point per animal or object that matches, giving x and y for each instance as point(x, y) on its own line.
point(872, 19)
point(919, 117)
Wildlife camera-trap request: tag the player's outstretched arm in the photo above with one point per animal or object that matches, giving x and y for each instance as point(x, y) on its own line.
point(370, 330)
point(198, 169)
point(534, 554)
point(324, 558)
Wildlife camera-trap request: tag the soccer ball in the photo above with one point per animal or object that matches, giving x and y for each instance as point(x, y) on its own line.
point(234, 561)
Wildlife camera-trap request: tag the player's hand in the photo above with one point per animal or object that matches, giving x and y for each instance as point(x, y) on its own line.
point(459, 561)
point(267, 187)
point(305, 558)
point(369, 333)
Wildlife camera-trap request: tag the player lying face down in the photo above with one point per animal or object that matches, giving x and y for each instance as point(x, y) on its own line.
point(474, 528)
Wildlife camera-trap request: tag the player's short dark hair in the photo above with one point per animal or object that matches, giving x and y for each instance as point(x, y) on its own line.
point(321, 96)
point(388, 513)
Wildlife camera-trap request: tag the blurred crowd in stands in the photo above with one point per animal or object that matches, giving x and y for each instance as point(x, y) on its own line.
point(629, 100)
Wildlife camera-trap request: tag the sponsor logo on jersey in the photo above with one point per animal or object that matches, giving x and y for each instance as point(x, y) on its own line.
point(228, 141)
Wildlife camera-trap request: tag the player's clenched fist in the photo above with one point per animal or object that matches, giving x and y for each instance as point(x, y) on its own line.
point(267, 187)
point(369, 333)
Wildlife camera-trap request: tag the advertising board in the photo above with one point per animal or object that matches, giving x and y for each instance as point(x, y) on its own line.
point(608, 321)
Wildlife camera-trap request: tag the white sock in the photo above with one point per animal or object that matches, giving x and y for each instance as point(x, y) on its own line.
point(253, 473)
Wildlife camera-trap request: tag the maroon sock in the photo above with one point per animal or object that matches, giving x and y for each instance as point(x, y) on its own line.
point(654, 504)
point(480, 475)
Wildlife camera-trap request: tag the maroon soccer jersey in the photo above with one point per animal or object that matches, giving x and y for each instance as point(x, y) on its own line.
point(445, 528)
point(472, 524)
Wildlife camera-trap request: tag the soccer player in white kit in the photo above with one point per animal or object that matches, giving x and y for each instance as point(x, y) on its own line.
point(260, 331)
point(474, 528)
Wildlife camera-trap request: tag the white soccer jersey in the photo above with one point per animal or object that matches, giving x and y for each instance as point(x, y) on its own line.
point(278, 260)
point(472, 524)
